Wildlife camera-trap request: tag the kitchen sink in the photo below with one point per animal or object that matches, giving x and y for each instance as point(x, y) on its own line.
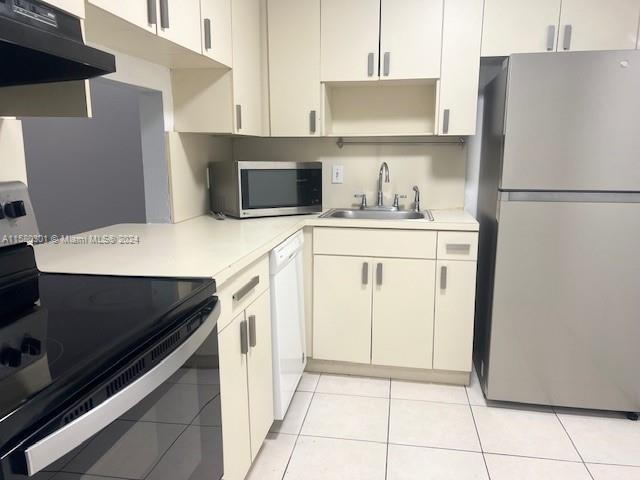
point(365, 214)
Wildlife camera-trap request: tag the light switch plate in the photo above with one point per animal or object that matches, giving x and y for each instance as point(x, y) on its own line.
point(337, 174)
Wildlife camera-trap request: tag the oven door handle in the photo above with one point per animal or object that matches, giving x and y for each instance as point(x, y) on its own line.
point(49, 449)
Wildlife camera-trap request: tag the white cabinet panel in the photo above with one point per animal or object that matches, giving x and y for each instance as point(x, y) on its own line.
point(349, 39)
point(216, 30)
point(74, 7)
point(454, 315)
point(517, 26)
point(179, 22)
point(403, 305)
point(598, 25)
point(410, 39)
point(294, 67)
point(235, 401)
point(342, 308)
point(461, 40)
point(135, 12)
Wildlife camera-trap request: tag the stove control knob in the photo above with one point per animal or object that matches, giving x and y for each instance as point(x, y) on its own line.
point(11, 357)
point(15, 209)
point(31, 346)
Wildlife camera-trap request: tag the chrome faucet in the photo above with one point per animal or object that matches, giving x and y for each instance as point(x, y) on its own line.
point(416, 201)
point(384, 169)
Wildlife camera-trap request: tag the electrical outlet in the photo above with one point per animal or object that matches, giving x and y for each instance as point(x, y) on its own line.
point(337, 174)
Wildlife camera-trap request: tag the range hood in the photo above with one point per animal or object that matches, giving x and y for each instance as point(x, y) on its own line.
point(41, 44)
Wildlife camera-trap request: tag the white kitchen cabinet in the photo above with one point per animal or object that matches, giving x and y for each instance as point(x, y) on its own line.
point(410, 39)
point(461, 39)
point(234, 398)
point(294, 67)
point(598, 25)
point(260, 371)
point(74, 7)
point(137, 12)
point(246, 385)
point(179, 22)
point(216, 30)
point(454, 315)
point(342, 308)
point(350, 35)
point(517, 26)
point(403, 306)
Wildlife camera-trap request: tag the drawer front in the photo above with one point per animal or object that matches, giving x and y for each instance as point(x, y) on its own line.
point(457, 245)
point(362, 242)
point(243, 288)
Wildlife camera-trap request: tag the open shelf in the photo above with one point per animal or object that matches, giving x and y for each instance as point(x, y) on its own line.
point(376, 108)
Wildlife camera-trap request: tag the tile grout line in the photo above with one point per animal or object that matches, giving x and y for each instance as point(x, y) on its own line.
point(572, 442)
point(475, 425)
point(386, 460)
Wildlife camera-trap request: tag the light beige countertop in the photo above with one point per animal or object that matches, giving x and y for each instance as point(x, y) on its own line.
point(204, 246)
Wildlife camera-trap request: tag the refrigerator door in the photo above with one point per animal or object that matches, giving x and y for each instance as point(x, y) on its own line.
point(566, 307)
point(573, 122)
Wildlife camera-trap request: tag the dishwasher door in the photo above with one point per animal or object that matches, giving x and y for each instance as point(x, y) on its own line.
point(288, 321)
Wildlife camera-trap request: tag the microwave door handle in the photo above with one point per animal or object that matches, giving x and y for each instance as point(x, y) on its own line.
point(47, 450)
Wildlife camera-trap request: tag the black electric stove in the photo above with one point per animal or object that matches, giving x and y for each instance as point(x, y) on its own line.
point(72, 345)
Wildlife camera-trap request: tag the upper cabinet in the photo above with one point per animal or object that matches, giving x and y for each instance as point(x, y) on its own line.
point(350, 36)
point(410, 39)
point(179, 22)
point(74, 7)
point(294, 67)
point(141, 13)
point(216, 30)
point(521, 26)
point(598, 25)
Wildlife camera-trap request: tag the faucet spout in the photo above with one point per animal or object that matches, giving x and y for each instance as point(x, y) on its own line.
point(384, 171)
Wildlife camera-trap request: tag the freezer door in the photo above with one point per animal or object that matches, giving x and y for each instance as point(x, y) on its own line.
point(573, 122)
point(566, 308)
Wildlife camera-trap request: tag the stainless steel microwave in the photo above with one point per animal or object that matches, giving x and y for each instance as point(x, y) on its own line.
point(265, 189)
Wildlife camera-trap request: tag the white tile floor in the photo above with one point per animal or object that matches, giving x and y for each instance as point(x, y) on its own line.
point(341, 427)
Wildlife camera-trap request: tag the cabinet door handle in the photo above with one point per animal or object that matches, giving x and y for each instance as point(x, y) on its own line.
point(152, 13)
point(244, 343)
point(238, 117)
point(312, 121)
point(207, 34)
point(445, 120)
point(551, 38)
point(379, 274)
point(387, 63)
point(252, 330)
point(566, 42)
point(164, 13)
point(250, 285)
point(443, 278)
point(370, 64)
point(365, 273)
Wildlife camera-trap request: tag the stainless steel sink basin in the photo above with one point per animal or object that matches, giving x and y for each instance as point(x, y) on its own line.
point(359, 214)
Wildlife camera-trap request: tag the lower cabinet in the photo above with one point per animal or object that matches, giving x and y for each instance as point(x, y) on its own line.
point(246, 385)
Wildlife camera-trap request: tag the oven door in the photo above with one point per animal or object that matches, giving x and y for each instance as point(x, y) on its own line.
point(163, 426)
point(279, 188)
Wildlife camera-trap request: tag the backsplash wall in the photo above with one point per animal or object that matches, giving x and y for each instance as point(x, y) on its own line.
point(438, 170)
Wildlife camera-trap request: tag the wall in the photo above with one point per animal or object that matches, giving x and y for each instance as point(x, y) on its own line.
point(438, 170)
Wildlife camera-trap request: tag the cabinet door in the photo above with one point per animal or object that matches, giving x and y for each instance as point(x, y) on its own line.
point(350, 35)
point(462, 34)
point(403, 300)
point(141, 13)
point(410, 39)
point(455, 306)
point(234, 400)
point(216, 30)
point(260, 376)
point(519, 26)
point(179, 22)
point(247, 71)
point(294, 67)
point(598, 25)
point(74, 7)
point(342, 308)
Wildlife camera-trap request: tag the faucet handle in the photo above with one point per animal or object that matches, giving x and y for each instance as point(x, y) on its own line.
point(416, 199)
point(396, 200)
point(363, 204)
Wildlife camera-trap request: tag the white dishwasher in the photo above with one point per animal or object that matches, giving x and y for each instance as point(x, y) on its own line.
point(287, 320)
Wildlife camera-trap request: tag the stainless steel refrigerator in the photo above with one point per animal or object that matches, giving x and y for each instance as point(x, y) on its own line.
point(558, 304)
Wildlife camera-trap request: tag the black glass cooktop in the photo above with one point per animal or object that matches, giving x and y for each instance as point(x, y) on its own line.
point(80, 327)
